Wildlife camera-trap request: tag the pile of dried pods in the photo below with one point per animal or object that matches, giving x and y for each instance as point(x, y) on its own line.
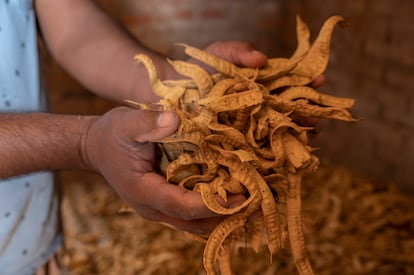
point(238, 135)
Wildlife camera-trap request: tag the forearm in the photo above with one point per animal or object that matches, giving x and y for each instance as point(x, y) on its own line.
point(96, 50)
point(31, 142)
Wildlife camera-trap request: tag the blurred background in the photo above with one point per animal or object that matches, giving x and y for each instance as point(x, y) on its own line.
point(372, 60)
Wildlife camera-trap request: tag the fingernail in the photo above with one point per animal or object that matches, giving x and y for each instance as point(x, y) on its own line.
point(259, 58)
point(257, 53)
point(166, 119)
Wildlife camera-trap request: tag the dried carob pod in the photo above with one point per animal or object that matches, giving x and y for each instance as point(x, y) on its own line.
point(238, 135)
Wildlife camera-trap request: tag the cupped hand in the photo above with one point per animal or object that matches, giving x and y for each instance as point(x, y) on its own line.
point(118, 146)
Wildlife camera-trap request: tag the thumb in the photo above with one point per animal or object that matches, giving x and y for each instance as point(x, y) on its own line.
point(150, 125)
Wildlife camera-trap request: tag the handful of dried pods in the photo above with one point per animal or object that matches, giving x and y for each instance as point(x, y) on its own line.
point(238, 135)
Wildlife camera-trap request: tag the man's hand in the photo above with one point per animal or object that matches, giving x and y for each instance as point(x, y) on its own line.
point(118, 146)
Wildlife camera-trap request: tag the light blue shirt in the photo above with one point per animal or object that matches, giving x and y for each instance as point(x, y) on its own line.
point(29, 227)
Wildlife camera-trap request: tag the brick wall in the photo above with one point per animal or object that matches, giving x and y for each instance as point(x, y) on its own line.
point(372, 60)
point(159, 24)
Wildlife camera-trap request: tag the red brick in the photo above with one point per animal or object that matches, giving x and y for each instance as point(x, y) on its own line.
point(410, 116)
point(402, 29)
point(184, 15)
point(400, 77)
point(395, 105)
point(214, 13)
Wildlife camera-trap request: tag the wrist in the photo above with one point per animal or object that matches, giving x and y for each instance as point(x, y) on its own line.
point(32, 142)
point(84, 147)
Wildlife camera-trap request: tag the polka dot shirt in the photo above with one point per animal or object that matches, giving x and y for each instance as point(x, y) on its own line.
point(29, 231)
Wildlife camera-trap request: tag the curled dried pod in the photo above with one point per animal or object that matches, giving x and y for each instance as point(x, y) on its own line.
point(239, 134)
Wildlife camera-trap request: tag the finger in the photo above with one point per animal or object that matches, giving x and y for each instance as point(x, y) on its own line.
point(172, 200)
point(147, 126)
point(319, 81)
point(177, 202)
point(239, 53)
point(198, 226)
